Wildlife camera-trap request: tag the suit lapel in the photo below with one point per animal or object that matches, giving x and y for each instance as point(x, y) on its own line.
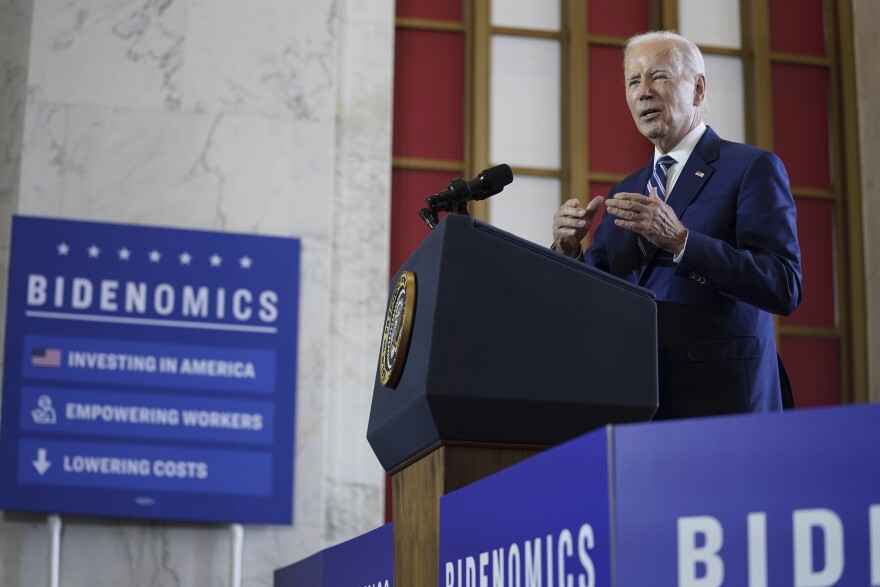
point(696, 173)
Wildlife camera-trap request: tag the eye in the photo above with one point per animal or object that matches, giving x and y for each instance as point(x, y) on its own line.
point(659, 77)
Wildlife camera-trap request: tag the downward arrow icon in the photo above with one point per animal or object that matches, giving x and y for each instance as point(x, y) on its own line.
point(41, 464)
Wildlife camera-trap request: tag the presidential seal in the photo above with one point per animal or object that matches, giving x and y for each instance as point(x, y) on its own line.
point(398, 324)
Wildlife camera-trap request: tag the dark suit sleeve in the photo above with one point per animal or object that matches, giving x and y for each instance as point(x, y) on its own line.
point(762, 267)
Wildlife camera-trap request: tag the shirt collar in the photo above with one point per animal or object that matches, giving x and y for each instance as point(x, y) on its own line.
point(685, 147)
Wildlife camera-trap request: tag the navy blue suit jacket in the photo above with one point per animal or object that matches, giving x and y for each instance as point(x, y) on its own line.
point(717, 349)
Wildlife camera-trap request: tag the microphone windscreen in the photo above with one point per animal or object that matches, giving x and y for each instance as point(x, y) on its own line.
point(497, 177)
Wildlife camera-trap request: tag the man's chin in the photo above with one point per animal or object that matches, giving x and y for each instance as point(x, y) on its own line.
point(652, 132)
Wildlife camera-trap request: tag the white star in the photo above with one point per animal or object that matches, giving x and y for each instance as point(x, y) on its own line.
point(124, 254)
point(216, 260)
point(94, 252)
point(155, 256)
point(63, 249)
point(185, 258)
point(245, 262)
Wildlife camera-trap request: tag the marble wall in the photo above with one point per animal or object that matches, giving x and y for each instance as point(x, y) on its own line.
point(258, 117)
point(15, 18)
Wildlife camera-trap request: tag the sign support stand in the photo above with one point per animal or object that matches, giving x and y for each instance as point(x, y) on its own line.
point(54, 524)
point(236, 550)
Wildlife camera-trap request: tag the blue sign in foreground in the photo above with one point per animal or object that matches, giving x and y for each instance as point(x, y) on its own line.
point(149, 372)
point(365, 561)
point(756, 501)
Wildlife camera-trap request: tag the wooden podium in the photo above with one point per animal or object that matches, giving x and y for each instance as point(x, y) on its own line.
point(416, 491)
point(493, 349)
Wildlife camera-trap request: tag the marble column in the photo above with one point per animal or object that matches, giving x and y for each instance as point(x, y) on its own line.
point(256, 117)
point(15, 20)
point(866, 19)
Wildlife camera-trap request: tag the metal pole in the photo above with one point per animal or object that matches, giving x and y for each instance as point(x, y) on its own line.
point(236, 550)
point(54, 524)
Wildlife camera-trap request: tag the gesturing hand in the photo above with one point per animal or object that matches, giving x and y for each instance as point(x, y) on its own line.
point(651, 217)
point(571, 223)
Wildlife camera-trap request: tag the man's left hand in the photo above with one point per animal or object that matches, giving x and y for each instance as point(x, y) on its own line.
point(650, 217)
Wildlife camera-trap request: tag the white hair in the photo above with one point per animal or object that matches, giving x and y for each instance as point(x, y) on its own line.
point(690, 53)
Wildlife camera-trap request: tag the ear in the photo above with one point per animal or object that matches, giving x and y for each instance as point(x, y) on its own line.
point(700, 90)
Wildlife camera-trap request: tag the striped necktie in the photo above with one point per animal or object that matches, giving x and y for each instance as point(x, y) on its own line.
point(657, 180)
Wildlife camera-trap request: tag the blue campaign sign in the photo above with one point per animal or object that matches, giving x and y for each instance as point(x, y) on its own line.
point(91, 413)
point(752, 500)
point(149, 372)
point(365, 561)
point(762, 500)
point(543, 521)
point(156, 364)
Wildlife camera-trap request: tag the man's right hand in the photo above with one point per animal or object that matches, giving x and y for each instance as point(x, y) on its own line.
point(571, 223)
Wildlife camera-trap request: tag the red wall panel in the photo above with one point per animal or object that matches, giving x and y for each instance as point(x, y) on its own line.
point(797, 26)
point(409, 188)
point(816, 237)
point(623, 18)
point(597, 189)
point(429, 94)
point(432, 9)
point(801, 123)
point(814, 369)
point(616, 145)
point(802, 137)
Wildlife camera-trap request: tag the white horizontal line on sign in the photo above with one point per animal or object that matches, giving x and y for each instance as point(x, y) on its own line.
point(152, 322)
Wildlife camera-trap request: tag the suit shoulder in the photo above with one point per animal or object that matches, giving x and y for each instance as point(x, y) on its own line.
point(743, 150)
point(749, 157)
point(750, 162)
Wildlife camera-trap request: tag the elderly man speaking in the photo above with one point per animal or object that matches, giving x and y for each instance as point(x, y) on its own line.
point(708, 225)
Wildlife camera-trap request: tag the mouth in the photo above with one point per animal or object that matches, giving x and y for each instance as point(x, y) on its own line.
point(649, 113)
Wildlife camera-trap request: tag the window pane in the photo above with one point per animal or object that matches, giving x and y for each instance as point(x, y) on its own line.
point(816, 235)
point(526, 208)
point(429, 115)
point(526, 14)
point(809, 34)
point(801, 123)
point(525, 104)
point(726, 112)
point(813, 367)
point(429, 9)
point(597, 189)
point(616, 145)
point(622, 18)
point(409, 191)
point(710, 22)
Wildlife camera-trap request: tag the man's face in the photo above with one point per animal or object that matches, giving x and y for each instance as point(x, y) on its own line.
point(664, 97)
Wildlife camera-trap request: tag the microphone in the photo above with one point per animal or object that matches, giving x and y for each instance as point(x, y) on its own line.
point(488, 183)
point(459, 192)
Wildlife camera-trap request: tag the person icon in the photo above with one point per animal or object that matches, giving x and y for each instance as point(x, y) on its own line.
point(44, 413)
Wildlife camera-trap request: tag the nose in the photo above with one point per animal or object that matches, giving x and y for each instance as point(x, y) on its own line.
point(645, 88)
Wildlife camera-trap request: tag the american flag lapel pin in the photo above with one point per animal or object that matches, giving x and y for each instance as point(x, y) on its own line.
point(699, 173)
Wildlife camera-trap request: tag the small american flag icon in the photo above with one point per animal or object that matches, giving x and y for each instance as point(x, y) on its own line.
point(699, 174)
point(46, 357)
